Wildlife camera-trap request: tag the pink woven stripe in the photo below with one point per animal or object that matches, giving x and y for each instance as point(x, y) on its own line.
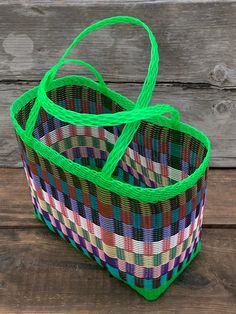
point(104, 135)
point(121, 264)
point(125, 243)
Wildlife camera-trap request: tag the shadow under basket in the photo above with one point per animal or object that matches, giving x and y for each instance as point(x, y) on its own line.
point(143, 221)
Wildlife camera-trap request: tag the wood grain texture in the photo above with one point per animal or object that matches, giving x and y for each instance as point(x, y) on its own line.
point(16, 206)
point(197, 39)
point(40, 273)
point(211, 110)
point(63, 3)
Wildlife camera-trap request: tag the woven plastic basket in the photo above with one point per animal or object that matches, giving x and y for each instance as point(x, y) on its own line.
point(117, 179)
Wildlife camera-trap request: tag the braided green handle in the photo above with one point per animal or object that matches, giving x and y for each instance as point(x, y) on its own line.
point(132, 118)
point(42, 96)
point(50, 75)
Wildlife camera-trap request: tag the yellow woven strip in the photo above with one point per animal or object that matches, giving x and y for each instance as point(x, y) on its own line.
point(148, 261)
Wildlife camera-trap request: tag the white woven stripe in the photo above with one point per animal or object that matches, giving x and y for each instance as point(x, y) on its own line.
point(138, 269)
point(119, 240)
point(111, 138)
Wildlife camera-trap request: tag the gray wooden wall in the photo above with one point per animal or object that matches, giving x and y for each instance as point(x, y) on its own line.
point(197, 46)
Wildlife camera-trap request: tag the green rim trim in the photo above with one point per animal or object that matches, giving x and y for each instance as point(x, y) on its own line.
point(150, 195)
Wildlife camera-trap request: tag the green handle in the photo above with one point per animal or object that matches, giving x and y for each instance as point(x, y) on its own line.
point(122, 117)
point(72, 117)
point(42, 95)
point(50, 75)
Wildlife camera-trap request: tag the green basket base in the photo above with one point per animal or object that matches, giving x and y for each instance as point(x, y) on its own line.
point(148, 294)
point(153, 294)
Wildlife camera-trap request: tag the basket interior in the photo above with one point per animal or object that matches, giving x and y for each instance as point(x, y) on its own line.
point(157, 156)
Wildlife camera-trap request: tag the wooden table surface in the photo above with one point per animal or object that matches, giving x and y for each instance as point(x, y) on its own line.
point(40, 273)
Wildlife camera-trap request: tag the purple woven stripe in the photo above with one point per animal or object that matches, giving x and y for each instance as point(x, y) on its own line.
point(164, 268)
point(177, 260)
point(78, 152)
point(130, 268)
point(88, 213)
point(164, 159)
point(182, 223)
point(167, 232)
point(108, 224)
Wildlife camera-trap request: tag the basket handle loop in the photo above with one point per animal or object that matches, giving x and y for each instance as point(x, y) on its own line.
point(42, 96)
point(53, 71)
point(143, 99)
point(147, 88)
point(150, 80)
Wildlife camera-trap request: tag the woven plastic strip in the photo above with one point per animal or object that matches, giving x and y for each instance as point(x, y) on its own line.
point(115, 178)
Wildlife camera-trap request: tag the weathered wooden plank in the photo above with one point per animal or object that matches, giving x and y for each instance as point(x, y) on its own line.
point(40, 273)
point(57, 3)
point(16, 206)
point(212, 110)
point(9, 154)
point(221, 199)
point(197, 39)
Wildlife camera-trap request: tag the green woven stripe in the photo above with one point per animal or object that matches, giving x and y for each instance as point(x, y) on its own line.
point(153, 294)
point(149, 294)
point(85, 141)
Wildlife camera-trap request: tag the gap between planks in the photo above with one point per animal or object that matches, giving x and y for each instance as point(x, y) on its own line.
point(184, 85)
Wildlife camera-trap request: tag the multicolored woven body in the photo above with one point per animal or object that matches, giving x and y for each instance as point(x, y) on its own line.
point(117, 179)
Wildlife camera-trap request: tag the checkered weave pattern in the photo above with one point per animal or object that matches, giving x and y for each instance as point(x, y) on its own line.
point(143, 244)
